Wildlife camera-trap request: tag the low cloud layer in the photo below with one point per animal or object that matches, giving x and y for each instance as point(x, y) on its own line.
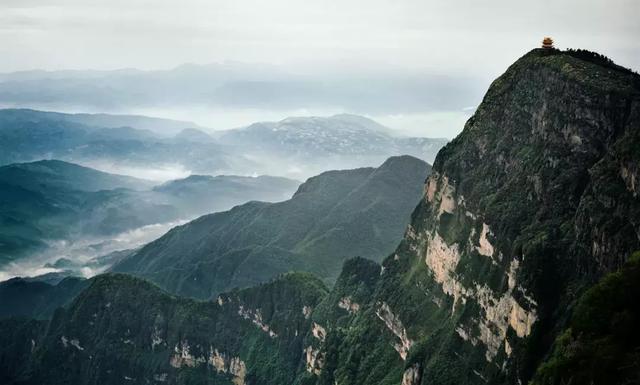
point(81, 256)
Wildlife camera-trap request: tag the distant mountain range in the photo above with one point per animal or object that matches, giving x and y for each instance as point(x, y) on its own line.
point(333, 216)
point(28, 135)
point(237, 86)
point(159, 126)
point(46, 202)
point(331, 142)
point(294, 147)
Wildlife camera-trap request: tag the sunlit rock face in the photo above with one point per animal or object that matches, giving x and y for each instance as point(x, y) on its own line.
point(394, 324)
point(256, 317)
point(314, 360)
point(225, 364)
point(347, 304)
point(411, 375)
point(499, 310)
point(221, 362)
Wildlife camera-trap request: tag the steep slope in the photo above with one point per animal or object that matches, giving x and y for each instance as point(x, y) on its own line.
point(122, 329)
point(602, 343)
point(333, 216)
point(532, 203)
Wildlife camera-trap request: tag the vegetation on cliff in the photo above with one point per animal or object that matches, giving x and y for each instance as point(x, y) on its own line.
point(602, 342)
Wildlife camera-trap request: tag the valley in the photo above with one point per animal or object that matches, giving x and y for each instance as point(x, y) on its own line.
point(511, 260)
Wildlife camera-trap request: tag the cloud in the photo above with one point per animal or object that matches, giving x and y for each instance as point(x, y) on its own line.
point(82, 254)
point(156, 174)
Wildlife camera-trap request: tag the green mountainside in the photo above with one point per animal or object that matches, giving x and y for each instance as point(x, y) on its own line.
point(49, 201)
point(529, 205)
point(35, 299)
point(602, 342)
point(44, 175)
point(107, 337)
point(333, 216)
point(515, 268)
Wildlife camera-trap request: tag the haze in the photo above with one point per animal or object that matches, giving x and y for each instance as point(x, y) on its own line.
point(458, 46)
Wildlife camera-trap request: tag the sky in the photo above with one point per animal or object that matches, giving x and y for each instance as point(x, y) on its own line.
point(463, 38)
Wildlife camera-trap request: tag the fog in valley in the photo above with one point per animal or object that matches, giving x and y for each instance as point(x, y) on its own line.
point(85, 257)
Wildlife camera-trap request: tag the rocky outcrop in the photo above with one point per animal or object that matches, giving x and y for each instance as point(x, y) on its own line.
point(318, 332)
point(221, 362)
point(74, 342)
point(314, 359)
point(411, 375)
point(306, 311)
point(485, 247)
point(442, 260)
point(347, 304)
point(224, 364)
point(156, 337)
point(183, 357)
point(256, 317)
point(394, 324)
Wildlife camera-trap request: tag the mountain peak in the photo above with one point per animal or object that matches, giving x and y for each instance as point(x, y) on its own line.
point(332, 216)
point(586, 67)
point(193, 135)
point(403, 160)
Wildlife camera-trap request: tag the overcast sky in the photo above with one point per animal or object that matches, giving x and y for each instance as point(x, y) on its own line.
point(439, 35)
point(469, 37)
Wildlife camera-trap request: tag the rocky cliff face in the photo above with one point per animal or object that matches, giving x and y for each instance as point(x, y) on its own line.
point(124, 330)
point(534, 201)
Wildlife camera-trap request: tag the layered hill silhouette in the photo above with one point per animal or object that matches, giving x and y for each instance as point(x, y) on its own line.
point(296, 148)
point(47, 202)
point(333, 216)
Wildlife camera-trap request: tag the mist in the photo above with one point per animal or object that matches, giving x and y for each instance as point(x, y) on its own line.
point(158, 174)
point(230, 95)
point(82, 257)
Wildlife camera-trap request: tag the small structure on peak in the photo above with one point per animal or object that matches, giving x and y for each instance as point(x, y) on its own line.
point(547, 43)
